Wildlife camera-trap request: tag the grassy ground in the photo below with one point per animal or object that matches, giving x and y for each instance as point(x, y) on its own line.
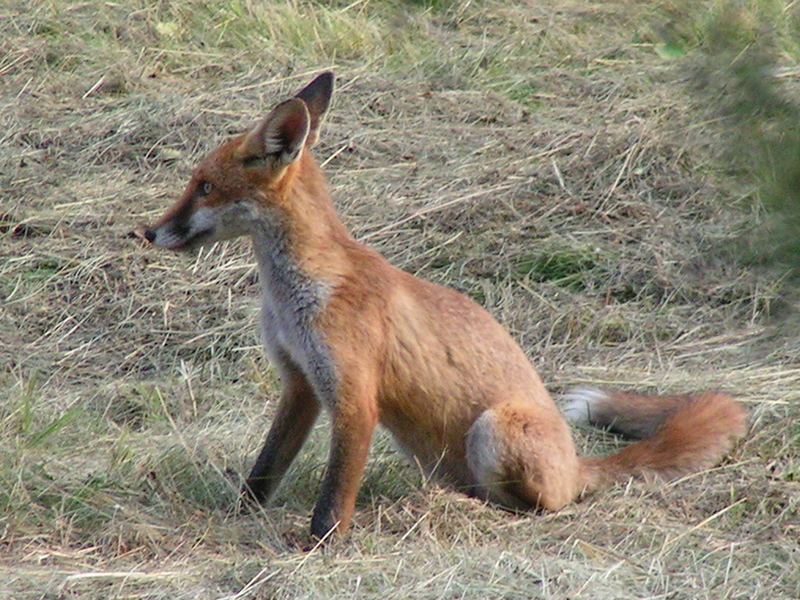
point(550, 159)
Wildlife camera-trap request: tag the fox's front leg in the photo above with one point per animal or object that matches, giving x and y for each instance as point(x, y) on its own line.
point(297, 411)
point(354, 420)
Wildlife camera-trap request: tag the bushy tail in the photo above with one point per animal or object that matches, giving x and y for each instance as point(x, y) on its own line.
point(678, 434)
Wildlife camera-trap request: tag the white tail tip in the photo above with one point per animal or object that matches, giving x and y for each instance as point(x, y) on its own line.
point(579, 403)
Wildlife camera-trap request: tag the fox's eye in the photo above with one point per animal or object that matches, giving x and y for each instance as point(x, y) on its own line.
point(205, 187)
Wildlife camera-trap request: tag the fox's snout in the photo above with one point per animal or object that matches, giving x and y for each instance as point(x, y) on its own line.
point(169, 235)
point(184, 234)
point(194, 225)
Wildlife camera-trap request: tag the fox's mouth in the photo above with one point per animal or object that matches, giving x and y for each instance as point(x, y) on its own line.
point(172, 242)
point(192, 241)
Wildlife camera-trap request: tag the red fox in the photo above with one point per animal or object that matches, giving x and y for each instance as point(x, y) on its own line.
point(369, 343)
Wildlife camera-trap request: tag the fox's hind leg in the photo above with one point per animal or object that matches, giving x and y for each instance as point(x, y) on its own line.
point(522, 456)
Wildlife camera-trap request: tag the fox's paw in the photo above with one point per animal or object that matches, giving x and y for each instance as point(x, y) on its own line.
point(579, 403)
point(248, 500)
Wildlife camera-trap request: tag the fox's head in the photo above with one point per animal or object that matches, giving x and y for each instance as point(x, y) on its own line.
point(244, 175)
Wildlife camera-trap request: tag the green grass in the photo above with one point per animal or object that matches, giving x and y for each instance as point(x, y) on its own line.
point(567, 267)
point(766, 115)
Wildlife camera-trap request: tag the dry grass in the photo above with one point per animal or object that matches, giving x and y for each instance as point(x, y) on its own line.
point(541, 157)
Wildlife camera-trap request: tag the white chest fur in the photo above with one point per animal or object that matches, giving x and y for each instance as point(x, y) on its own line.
point(291, 303)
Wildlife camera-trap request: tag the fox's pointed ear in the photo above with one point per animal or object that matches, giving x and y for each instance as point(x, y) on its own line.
point(317, 96)
point(282, 133)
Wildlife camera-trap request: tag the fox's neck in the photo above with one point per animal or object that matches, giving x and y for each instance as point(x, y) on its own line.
point(302, 249)
point(301, 244)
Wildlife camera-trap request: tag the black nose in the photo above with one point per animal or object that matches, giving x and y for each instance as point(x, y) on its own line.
point(149, 235)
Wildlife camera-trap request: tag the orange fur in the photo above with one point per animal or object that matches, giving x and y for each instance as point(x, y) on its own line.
point(369, 343)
